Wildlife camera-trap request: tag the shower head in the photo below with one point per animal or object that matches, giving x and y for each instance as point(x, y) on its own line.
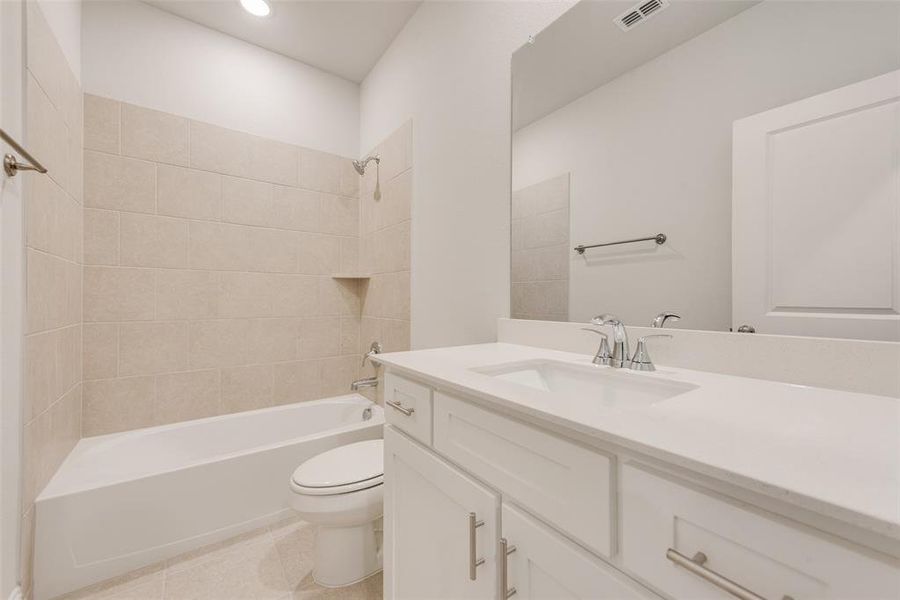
point(360, 165)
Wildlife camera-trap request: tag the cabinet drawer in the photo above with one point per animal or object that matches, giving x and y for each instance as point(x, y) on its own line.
point(546, 565)
point(765, 556)
point(407, 405)
point(566, 484)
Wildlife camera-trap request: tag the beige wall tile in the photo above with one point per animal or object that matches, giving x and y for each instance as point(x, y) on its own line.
point(350, 179)
point(41, 373)
point(101, 237)
point(186, 396)
point(338, 373)
point(318, 254)
point(118, 404)
point(320, 171)
point(101, 124)
point(119, 294)
point(297, 381)
point(246, 295)
point(188, 193)
point(151, 241)
point(298, 209)
point(340, 215)
point(242, 155)
point(247, 202)
point(53, 219)
point(45, 59)
point(272, 340)
point(349, 255)
point(395, 335)
point(227, 247)
point(338, 296)
point(151, 348)
point(101, 350)
point(246, 388)
point(546, 229)
point(119, 183)
point(153, 135)
point(350, 335)
point(187, 294)
point(47, 132)
point(50, 283)
point(218, 343)
point(320, 337)
point(294, 295)
point(69, 357)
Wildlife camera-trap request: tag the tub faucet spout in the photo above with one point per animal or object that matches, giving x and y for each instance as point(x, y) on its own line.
point(364, 383)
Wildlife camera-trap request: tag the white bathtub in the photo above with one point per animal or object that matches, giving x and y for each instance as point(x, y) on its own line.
point(131, 499)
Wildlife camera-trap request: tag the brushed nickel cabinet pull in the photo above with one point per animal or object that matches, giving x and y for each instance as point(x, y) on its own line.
point(474, 563)
point(505, 550)
point(400, 407)
point(696, 566)
point(12, 166)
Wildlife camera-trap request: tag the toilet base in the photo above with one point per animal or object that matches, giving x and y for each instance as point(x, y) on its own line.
point(346, 555)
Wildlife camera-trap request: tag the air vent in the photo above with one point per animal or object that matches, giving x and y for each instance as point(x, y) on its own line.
point(639, 13)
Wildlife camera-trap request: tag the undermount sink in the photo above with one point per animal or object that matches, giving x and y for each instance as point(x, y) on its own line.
point(611, 387)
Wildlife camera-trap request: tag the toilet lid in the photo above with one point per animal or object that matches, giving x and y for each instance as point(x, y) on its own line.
point(343, 469)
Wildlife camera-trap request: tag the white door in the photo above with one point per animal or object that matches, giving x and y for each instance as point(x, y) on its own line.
point(427, 528)
point(542, 565)
point(11, 294)
point(816, 215)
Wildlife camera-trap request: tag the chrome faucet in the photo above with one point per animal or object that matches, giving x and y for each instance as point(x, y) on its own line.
point(659, 321)
point(602, 356)
point(621, 356)
point(641, 360)
point(366, 382)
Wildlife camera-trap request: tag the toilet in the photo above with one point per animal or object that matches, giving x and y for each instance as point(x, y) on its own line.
point(341, 492)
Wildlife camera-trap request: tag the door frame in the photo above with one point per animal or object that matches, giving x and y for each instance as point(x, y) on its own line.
point(12, 299)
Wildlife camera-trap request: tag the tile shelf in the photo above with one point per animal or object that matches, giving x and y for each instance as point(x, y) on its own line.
point(350, 276)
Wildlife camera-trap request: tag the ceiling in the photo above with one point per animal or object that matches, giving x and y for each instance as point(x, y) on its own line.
point(342, 37)
point(585, 49)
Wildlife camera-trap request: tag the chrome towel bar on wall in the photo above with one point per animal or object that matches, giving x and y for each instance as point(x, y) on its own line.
point(659, 238)
point(12, 166)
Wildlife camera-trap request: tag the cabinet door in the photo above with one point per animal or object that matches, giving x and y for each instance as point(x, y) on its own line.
point(427, 529)
point(545, 565)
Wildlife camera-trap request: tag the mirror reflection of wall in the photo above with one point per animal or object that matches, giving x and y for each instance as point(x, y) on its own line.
point(642, 122)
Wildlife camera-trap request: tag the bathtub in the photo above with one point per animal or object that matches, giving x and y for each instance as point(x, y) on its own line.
point(126, 500)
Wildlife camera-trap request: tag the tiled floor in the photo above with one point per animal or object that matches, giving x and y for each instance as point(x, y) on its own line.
point(274, 563)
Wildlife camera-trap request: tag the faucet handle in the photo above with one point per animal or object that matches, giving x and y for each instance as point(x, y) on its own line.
point(641, 360)
point(606, 319)
point(660, 319)
point(374, 349)
point(603, 355)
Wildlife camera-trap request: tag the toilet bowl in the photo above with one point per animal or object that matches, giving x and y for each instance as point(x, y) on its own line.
point(341, 492)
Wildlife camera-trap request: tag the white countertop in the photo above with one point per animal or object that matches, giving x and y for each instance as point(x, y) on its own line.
point(836, 453)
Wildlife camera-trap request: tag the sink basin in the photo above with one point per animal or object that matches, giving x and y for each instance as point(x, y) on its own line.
point(611, 387)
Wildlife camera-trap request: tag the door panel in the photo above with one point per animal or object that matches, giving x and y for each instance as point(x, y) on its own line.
point(426, 524)
point(546, 566)
point(816, 215)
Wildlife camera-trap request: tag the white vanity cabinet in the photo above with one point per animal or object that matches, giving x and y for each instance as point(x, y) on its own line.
point(554, 518)
point(441, 527)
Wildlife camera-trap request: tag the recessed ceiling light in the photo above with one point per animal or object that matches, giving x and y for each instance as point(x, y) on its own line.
point(259, 8)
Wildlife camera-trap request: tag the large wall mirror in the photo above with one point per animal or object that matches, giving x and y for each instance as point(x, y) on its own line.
point(752, 149)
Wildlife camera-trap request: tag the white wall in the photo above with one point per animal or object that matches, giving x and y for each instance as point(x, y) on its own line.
point(650, 151)
point(64, 19)
point(140, 54)
point(449, 71)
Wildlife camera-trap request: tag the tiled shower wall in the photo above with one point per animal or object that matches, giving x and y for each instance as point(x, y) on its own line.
point(53, 238)
point(539, 259)
point(385, 245)
point(208, 262)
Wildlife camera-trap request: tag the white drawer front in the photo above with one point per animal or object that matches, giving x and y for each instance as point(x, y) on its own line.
point(545, 565)
point(407, 406)
point(567, 484)
point(767, 557)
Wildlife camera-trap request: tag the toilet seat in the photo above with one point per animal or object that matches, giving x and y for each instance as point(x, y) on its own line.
point(341, 470)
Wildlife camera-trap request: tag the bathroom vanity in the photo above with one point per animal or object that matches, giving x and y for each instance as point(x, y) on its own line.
point(519, 471)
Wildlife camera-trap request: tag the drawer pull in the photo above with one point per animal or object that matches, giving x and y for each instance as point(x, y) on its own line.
point(695, 566)
point(505, 550)
point(474, 563)
point(401, 408)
